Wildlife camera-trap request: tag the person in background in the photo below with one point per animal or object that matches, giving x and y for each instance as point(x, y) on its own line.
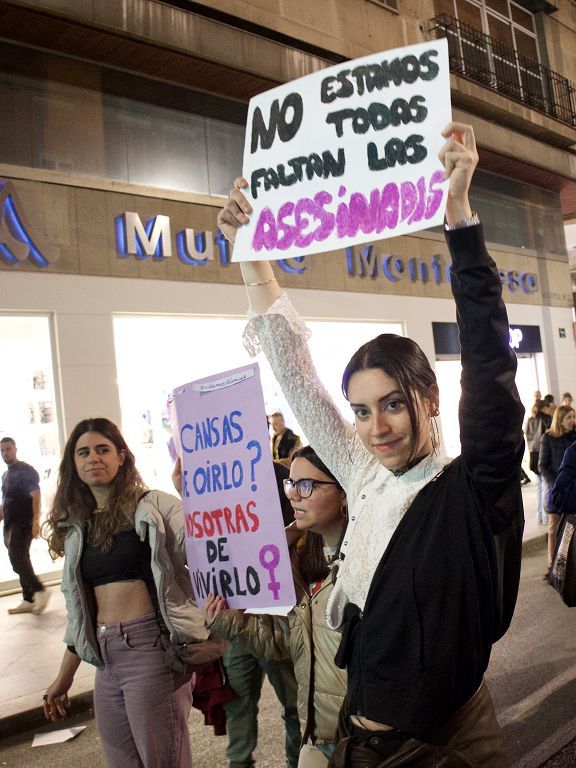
point(284, 442)
point(125, 583)
point(537, 396)
point(536, 425)
point(20, 510)
point(549, 407)
point(553, 445)
point(246, 669)
point(564, 489)
point(245, 672)
point(567, 399)
point(430, 561)
point(283, 473)
point(319, 505)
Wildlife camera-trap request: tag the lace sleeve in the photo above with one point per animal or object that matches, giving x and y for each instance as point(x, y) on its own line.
point(282, 306)
point(282, 335)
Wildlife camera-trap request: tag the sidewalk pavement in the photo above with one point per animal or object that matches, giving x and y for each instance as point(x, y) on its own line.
point(31, 648)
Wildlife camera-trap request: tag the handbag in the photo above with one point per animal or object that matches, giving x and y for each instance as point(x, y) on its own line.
point(563, 572)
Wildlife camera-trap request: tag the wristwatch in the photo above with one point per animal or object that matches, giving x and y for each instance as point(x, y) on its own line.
point(471, 222)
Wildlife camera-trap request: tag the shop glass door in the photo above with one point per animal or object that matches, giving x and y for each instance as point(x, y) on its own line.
point(28, 414)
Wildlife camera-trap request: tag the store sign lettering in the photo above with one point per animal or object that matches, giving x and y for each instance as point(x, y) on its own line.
point(16, 243)
point(153, 240)
point(366, 261)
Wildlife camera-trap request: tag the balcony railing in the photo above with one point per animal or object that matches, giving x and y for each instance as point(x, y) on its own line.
point(484, 60)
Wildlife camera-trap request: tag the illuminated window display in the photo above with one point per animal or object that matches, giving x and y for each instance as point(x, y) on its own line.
point(181, 349)
point(28, 414)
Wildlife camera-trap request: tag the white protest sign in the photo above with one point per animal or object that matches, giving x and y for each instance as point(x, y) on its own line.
point(235, 539)
point(347, 155)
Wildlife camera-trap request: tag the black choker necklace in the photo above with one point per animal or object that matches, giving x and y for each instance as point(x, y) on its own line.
point(407, 468)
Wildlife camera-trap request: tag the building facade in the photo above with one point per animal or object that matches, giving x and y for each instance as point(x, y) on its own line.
point(122, 128)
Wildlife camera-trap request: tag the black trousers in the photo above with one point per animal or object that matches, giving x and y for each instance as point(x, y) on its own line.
point(18, 539)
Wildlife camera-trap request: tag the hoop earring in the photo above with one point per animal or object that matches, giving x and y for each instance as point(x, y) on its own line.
point(434, 433)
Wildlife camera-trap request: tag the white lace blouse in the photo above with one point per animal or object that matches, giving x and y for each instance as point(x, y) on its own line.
point(377, 499)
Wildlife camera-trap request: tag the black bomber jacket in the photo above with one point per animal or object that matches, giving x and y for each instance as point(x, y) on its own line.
point(446, 586)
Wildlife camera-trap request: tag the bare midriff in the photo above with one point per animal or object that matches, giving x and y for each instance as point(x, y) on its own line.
point(369, 725)
point(122, 601)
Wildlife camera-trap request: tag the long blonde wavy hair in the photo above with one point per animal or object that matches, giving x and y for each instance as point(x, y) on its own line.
point(75, 503)
point(556, 428)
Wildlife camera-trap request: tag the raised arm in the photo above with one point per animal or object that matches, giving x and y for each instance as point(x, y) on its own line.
point(490, 409)
point(282, 335)
point(258, 276)
point(564, 490)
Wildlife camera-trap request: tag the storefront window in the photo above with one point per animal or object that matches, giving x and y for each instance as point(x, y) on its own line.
point(80, 118)
point(181, 349)
point(28, 415)
point(518, 214)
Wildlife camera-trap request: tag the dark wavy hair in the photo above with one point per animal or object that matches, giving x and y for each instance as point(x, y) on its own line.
point(312, 565)
point(402, 360)
point(74, 502)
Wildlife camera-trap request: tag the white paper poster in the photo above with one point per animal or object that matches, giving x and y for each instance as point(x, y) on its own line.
point(347, 155)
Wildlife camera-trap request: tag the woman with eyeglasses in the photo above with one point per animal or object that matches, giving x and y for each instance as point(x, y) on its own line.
point(430, 561)
point(319, 505)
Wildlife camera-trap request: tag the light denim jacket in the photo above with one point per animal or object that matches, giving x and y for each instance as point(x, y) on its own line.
point(158, 516)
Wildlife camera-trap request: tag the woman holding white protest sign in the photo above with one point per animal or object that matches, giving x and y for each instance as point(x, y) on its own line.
point(319, 505)
point(125, 582)
point(430, 561)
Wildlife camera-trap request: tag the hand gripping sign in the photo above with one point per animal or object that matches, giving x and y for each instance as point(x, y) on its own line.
point(347, 154)
point(235, 541)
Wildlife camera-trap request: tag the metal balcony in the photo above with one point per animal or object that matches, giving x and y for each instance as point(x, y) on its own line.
point(484, 60)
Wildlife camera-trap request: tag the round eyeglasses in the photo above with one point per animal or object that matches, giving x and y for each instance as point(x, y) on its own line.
point(304, 486)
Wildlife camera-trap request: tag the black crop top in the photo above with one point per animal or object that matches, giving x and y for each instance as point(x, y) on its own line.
point(128, 559)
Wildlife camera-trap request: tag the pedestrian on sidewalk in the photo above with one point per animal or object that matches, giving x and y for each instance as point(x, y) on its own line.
point(536, 426)
point(553, 446)
point(20, 510)
point(125, 583)
point(564, 490)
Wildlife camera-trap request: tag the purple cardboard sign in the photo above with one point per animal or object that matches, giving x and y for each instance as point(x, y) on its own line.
point(235, 541)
